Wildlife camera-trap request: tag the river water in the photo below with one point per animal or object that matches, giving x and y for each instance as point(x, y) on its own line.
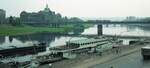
point(58, 40)
point(117, 29)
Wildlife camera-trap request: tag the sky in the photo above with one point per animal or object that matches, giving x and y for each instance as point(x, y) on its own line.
point(80, 8)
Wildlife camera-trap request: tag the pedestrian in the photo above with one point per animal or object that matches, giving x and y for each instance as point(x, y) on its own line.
point(117, 50)
point(100, 53)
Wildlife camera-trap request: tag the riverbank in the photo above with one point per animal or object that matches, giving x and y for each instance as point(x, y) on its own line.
point(25, 29)
point(20, 30)
point(88, 60)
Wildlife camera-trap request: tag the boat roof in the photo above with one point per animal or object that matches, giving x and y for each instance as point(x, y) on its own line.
point(146, 47)
point(3, 47)
point(86, 40)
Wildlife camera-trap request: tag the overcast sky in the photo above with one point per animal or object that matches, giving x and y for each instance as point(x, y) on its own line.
point(80, 8)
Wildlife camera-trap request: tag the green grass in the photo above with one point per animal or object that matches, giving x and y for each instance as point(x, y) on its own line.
point(19, 30)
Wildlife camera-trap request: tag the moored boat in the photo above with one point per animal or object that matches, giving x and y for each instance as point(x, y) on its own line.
point(32, 48)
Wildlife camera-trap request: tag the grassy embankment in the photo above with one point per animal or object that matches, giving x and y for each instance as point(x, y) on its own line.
point(24, 29)
point(20, 30)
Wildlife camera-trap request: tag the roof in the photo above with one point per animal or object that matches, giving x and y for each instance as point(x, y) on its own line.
point(87, 46)
point(146, 47)
point(87, 40)
point(3, 47)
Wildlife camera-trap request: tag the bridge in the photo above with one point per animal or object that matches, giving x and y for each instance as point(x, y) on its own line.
point(113, 36)
point(99, 22)
point(117, 22)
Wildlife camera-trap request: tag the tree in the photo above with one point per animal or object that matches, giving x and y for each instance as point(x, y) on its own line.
point(14, 21)
point(17, 21)
point(11, 20)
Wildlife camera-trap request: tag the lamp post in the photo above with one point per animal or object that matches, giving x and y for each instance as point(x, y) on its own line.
point(120, 34)
point(1, 56)
point(68, 43)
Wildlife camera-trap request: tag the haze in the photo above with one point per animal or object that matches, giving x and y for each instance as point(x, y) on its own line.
point(80, 8)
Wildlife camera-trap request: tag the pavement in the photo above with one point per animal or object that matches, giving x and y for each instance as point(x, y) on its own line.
point(133, 60)
point(89, 60)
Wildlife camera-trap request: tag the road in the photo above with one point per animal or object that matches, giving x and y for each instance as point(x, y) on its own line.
point(133, 60)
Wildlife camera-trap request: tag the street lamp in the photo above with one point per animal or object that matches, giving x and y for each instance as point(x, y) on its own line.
point(68, 42)
point(121, 33)
point(1, 56)
point(117, 36)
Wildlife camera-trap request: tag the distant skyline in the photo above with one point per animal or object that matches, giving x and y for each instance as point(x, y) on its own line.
point(80, 8)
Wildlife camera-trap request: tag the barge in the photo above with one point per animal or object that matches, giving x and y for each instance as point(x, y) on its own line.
point(48, 58)
point(22, 49)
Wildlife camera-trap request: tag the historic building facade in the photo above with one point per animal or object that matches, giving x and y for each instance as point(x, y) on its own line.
point(2, 16)
point(44, 16)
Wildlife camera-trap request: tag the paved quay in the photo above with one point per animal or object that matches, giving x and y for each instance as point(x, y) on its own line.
point(133, 60)
point(88, 60)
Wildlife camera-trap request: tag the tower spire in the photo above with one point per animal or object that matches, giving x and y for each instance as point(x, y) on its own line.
point(46, 5)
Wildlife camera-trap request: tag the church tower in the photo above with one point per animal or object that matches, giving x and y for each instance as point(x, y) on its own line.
point(47, 8)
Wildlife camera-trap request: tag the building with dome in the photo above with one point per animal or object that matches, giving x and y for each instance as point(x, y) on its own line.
point(41, 17)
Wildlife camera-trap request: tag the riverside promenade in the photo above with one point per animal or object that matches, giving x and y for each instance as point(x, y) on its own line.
point(87, 60)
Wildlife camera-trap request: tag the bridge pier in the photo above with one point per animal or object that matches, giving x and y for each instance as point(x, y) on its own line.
point(100, 30)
